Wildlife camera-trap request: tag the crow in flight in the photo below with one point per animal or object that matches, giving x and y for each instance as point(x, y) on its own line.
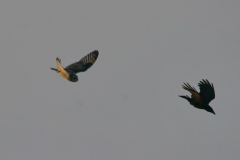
point(200, 100)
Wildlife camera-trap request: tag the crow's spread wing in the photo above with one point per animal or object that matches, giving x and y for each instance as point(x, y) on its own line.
point(206, 90)
point(192, 90)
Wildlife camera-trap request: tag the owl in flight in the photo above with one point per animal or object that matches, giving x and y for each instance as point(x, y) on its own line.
point(203, 98)
point(81, 66)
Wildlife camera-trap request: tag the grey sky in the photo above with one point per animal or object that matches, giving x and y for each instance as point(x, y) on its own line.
point(126, 107)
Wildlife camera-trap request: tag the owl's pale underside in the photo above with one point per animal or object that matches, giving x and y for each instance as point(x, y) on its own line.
point(81, 66)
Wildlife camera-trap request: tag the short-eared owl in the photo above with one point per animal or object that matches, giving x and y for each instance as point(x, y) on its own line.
point(203, 98)
point(81, 66)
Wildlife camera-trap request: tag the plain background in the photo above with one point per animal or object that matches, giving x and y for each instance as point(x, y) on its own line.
point(126, 106)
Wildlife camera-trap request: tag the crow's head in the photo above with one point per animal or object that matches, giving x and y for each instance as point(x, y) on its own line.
point(209, 109)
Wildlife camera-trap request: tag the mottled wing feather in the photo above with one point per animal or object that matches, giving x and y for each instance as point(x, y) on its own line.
point(84, 64)
point(90, 58)
point(206, 90)
point(193, 91)
point(75, 67)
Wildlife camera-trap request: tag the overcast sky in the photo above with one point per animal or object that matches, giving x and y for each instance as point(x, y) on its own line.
point(126, 106)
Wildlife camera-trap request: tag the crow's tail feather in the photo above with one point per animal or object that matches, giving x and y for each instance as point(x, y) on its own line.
point(185, 97)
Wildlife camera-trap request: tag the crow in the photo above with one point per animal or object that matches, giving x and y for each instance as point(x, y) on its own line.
point(203, 98)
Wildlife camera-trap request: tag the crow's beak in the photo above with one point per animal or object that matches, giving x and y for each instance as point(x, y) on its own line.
point(213, 112)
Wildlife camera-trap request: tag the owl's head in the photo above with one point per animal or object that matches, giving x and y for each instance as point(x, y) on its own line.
point(73, 77)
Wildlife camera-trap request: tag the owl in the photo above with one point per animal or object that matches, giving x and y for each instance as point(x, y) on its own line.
point(81, 66)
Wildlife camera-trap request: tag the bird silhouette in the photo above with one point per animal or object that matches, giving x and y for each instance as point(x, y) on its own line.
point(202, 99)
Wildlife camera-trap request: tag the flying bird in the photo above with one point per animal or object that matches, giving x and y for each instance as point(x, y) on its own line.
point(202, 99)
point(81, 66)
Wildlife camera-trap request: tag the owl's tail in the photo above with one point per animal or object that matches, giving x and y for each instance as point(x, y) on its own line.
point(55, 69)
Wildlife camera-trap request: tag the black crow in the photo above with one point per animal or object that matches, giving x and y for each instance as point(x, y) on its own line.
point(200, 100)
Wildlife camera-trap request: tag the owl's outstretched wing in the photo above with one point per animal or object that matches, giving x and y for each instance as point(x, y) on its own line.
point(84, 64)
point(61, 70)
